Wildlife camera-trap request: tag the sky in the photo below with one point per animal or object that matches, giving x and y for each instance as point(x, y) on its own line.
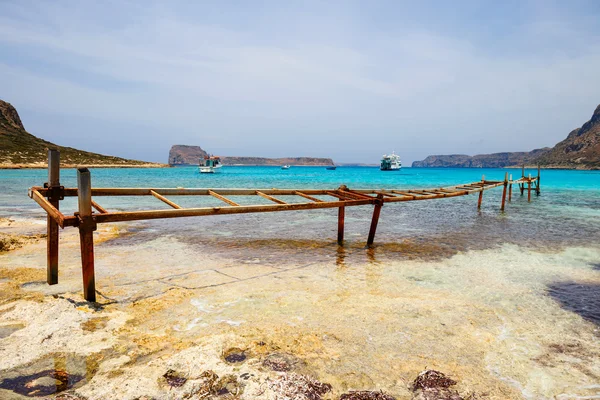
point(350, 80)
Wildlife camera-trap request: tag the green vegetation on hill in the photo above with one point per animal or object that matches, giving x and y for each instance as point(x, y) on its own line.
point(19, 147)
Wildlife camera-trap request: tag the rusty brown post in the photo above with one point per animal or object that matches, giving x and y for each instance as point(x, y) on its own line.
point(375, 219)
point(522, 185)
point(53, 197)
point(504, 191)
point(87, 226)
point(341, 216)
point(537, 183)
point(481, 193)
point(510, 188)
point(529, 188)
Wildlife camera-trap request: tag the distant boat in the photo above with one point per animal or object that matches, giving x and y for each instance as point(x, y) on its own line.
point(390, 162)
point(210, 165)
point(331, 167)
point(285, 167)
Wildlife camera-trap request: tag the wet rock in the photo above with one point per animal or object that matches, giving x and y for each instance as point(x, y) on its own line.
point(300, 387)
point(70, 396)
point(234, 355)
point(434, 385)
point(174, 378)
point(429, 379)
point(281, 362)
point(366, 395)
point(208, 385)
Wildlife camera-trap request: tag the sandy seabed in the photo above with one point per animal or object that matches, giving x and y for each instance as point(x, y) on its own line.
point(172, 322)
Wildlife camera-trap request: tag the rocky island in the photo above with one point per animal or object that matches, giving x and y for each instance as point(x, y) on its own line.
point(580, 150)
point(181, 155)
point(21, 149)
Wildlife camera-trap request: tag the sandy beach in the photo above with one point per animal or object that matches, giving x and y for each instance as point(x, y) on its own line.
point(172, 322)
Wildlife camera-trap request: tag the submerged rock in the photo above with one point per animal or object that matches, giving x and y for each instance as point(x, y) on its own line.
point(281, 362)
point(298, 387)
point(366, 395)
point(434, 385)
point(235, 355)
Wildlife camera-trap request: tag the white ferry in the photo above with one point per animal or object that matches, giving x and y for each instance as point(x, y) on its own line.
point(210, 165)
point(390, 162)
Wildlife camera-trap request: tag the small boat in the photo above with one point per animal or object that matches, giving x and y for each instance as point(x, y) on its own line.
point(210, 165)
point(331, 167)
point(390, 162)
point(285, 167)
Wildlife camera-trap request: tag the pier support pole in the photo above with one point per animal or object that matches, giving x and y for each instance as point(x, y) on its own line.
point(510, 188)
point(504, 191)
point(87, 226)
point(481, 193)
point(522, 185)
point(341, 216)
point(529, 188)
point(375, 219)
point(54, 195)
point(537, 182)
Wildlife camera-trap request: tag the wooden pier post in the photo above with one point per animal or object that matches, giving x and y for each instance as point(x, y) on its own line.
point(54, 199)
point(341, 216)
point(504, 191)
point(537, 182)
point(375, 219)
point(87, 226)
point(510, 188)
point(529, 188)
point(481, 193)
point(522, 185)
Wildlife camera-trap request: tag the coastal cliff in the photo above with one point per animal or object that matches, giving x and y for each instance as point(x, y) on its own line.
point(580, 150)
point(21, 149)
point(190, 155)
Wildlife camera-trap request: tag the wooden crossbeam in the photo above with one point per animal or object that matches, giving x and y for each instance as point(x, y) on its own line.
point(357, 194)
point(49, 208)
point(223, 198)
point(164, 199)
point(308, 197)
point(98, 207)
point(266, 196)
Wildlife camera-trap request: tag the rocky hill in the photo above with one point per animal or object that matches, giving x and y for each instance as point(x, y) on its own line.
point(190, 155)
point(580, 150)
point(20, 149)
point(495, 160)
point(185, 155)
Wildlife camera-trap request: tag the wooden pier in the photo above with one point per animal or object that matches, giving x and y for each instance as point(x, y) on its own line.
point(86, 219)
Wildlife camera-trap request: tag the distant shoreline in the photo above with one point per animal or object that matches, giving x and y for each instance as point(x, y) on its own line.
point(45, 166)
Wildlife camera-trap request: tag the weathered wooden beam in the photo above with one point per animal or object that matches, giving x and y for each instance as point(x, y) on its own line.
point(165, 200)
point(87, 226)
point(301, 194)
point(48, 207)
point(358, 194)
point(193, 212)
point(374, 221)
point(504, 191)
point(268, 197)
point(99, 208)
point(510, 188)
point(223, 198)
point(341, 217)
point(52, 224)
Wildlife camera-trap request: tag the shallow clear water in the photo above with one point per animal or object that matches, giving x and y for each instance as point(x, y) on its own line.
point(506, 302)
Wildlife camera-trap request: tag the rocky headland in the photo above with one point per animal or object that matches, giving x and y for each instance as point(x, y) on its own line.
point(180, 155)
point(580, 150)
point(21, 149)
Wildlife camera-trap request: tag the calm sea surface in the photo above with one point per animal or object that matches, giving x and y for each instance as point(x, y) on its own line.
point(566, 213)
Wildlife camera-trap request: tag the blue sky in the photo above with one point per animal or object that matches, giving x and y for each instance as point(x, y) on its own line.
point(349, 80)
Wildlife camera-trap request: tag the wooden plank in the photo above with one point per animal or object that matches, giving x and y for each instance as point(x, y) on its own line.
point(223, 198)
point(384, 194)
point(51, 224)
point(268, 197)
point(338, 195)
point(374, 222)
point(193, 212)
point(301, 194)
point(98, 207)
point(48, 207)
point(341, 217)
point(86, 233)
point(358, 194)
point(165, 200)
